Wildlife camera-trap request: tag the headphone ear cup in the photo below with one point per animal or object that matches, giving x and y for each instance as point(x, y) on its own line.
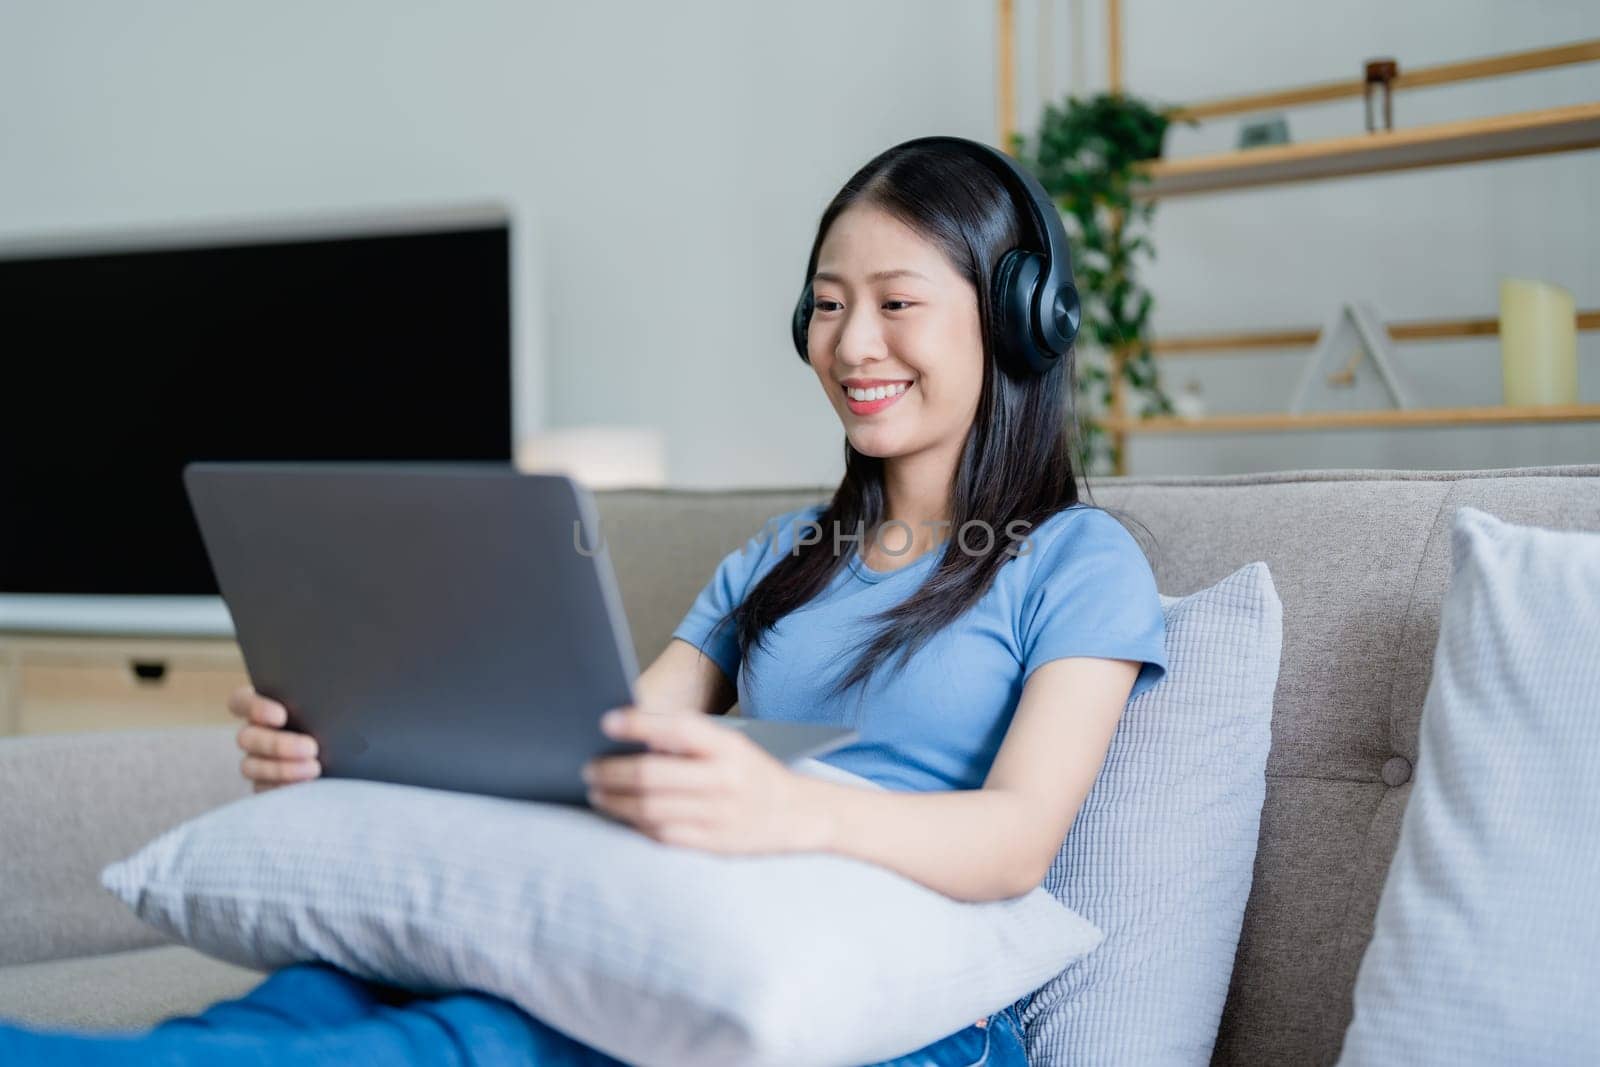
point(800, 326)
point(1016, 277)
point(1068, 312)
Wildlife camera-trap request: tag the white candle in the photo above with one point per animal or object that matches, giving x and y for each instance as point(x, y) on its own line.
point(1538, 343)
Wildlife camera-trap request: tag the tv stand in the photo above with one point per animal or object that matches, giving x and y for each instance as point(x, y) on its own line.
point(65, 683)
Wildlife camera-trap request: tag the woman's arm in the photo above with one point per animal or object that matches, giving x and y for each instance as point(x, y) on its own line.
point(999, 841)
point(707, 787)
point(683, 678)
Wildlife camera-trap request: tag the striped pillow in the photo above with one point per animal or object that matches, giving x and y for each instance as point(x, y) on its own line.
point(1162, 853)
point(1486, 944)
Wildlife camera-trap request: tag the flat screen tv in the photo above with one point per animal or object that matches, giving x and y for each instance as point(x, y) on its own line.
point(125, 356)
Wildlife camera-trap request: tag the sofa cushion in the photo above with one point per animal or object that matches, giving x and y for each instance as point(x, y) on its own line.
point(123, 991)
point(1484, 950)
point(581, 920)
point(72, 803)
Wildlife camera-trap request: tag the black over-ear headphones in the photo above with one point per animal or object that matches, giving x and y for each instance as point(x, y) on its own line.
point(1035, 303)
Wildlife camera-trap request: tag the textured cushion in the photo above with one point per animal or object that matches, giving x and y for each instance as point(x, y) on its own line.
point(1160, 855)
point(1486, 945)
point(710, 958)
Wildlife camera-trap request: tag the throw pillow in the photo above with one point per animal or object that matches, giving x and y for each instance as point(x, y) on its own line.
point(653, 953)
point(1486, 944)
point(1162, 853)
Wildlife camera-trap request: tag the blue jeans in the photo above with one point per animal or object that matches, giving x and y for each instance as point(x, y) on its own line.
point(312, 1014)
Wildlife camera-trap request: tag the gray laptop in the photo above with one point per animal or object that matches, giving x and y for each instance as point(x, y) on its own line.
point(451, 625)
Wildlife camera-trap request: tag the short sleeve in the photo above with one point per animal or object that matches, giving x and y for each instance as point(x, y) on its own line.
point(707, 625)
point(1092, 593)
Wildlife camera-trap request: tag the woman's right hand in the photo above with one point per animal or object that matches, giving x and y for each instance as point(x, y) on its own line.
point(273, 756)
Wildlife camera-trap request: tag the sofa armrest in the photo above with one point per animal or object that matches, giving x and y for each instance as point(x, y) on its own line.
point(72, 803)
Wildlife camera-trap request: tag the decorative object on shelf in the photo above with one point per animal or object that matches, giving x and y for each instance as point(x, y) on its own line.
point(1190, 403)
point(1380, 72)
point(1085, 154)
point(1345, 377)
point(1538, 342)
point(1274, 129)
point(1361, 323)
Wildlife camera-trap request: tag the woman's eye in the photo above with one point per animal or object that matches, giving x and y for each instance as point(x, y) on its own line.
point(889, 305)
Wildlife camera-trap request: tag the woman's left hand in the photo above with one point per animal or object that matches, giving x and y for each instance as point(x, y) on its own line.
point(702, 784)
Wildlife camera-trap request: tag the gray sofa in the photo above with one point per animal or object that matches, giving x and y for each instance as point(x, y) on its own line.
point(1360, 557)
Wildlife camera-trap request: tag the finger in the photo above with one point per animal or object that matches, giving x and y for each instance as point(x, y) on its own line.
point(258, 769)
point(246, 703)
point(666, 732)
point(653, 810)
point(690, 835)
point(277, 744)
point(653, 771)
point(662, 708)
point(240, 699)
point(268, 712)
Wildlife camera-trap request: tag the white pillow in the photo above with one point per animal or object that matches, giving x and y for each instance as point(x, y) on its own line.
point(653, 953)
point(1486, 944)
point(1162, 854)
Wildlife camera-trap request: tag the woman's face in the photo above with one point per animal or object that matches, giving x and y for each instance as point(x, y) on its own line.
point(891, 310)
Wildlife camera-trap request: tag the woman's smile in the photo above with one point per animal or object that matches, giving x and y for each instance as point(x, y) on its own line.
point(870, 396)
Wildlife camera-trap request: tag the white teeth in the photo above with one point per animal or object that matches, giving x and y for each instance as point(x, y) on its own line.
point(877, 392)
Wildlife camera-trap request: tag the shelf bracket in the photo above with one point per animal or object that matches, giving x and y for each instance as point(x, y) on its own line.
point(1361, 321)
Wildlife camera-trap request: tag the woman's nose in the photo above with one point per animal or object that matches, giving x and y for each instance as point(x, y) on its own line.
point(859, 341)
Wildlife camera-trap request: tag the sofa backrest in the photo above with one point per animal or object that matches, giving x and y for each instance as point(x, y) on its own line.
point(1361, 559)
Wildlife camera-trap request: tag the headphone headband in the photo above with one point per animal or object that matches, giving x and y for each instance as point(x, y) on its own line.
point(1030, 195)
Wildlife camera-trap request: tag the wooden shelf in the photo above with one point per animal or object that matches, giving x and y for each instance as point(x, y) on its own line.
point(1408, 78)
point(1344, 420)
point(1277, 341)
point(1558, 129)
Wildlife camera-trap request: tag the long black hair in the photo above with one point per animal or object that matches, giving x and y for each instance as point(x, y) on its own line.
point(1017, 466)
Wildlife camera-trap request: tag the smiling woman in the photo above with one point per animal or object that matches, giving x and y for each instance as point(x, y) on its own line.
point(938, 315)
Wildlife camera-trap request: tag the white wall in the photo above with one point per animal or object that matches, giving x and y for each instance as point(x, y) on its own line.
point(667, 164)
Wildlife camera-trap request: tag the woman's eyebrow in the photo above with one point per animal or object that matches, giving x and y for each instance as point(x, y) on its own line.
point(876, 276)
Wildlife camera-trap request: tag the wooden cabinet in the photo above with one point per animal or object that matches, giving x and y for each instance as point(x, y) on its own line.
point(62, 684)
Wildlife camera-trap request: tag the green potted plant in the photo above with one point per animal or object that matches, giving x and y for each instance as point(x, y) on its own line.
point(1085, 154)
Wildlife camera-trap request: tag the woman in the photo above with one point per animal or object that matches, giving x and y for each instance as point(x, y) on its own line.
point(993, 627)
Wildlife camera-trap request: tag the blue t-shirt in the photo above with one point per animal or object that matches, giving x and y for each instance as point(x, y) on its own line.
point(1082, 587)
